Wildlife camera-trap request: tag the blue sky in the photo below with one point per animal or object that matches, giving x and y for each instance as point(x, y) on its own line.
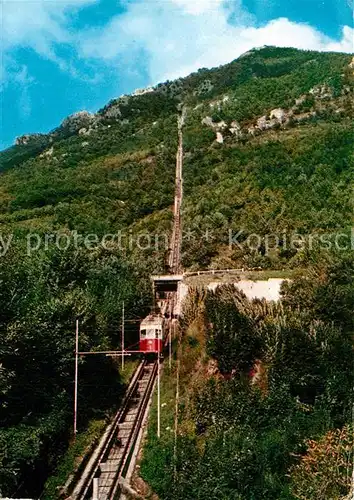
point(62, 56)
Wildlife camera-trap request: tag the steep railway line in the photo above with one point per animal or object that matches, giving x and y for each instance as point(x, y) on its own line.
point(104, 474)
point(176, 239)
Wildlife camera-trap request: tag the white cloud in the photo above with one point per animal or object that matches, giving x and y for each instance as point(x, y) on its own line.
point(20, 79)
point(180, 36)
point(37, 24)
point(171, 38)
point(41, 25)
point(197, 7)
point(282, 32)
point(346, 44)
point(24, 80)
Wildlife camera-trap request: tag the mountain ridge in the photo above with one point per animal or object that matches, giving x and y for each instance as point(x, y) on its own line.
point(167, 87)
point(259, 109)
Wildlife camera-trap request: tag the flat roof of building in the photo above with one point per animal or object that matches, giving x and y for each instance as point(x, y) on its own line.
point(167, 277)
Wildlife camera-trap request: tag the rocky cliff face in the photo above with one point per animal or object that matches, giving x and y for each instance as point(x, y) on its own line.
point(77, 121)
point(28, 139)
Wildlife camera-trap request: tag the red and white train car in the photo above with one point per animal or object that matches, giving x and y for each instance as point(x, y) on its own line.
point(151, 333)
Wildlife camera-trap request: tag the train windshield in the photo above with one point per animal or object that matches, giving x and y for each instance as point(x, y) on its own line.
point(149, 333)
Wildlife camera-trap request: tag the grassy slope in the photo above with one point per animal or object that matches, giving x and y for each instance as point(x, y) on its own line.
point(298, 180)
point(120, 177)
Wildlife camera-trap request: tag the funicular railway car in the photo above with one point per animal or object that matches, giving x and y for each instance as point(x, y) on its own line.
point(152, 333)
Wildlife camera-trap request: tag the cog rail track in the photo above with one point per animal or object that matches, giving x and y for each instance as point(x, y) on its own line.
point(112, 456)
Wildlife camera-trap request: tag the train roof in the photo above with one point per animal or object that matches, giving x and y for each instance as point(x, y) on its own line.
point(152, 320)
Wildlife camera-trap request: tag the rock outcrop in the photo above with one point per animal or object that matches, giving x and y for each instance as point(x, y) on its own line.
point(77, 121)
point(219, 138)
point(48, 153)
point(235, 129)
point(278, 114)
point(217, 126)
point(113, 112)
point(143, 91)
point(26, 139)
point(321, 92)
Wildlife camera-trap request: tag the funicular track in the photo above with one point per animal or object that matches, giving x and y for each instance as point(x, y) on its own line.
point(107, 467)
point(101, 477)
point(175, 247)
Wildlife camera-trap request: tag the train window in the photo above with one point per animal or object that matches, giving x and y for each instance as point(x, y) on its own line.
point(150, 333)
point(142, 333)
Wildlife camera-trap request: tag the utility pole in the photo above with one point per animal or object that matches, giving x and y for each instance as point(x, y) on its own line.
point(123, 336)
point(76, 375)
point(95, 492)
point(158, 394)
point(153, 296)
point(169, 345)
point(178, 355)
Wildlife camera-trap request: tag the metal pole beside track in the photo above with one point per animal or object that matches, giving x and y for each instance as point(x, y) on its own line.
point(170, 345)
point(95, 494)
point(123, 336)
point(158, 394)
point(76, 375)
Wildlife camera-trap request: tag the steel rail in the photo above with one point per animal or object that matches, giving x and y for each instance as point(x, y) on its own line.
point(132, 440)
point(85, 482)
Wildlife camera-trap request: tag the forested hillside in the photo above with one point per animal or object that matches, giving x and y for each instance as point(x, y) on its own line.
point(265, 394)
point(85, 214)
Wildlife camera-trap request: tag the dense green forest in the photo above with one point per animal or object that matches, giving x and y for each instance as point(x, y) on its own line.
point(85, 216)
point(41, 298)
point(266, 394)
